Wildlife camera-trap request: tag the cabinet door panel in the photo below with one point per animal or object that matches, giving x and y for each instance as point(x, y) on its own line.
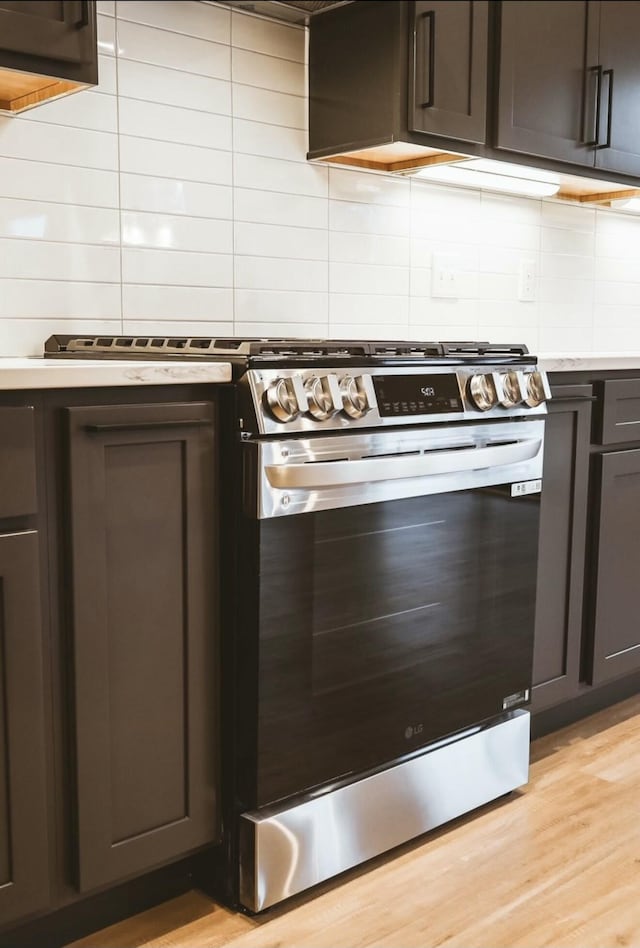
point(24, 874)
point(563, 514)
point(52, 30)
point(144, 634)
point(449, 69)
point(619, 31)
point(544, 49)
point(616, 632)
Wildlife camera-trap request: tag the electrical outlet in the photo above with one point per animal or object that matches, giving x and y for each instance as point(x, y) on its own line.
point(527, 283)
point(445, 272)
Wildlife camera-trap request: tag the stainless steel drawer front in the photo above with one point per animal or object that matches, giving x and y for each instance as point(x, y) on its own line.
point(288, 849)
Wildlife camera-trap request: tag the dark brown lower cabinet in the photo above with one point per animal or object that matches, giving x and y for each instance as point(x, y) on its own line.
point(616, 628)
point(24, 850)
point(563, 519)
point(141, 509)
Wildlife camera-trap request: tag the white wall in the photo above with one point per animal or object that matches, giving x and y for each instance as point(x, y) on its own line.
point(176, 198)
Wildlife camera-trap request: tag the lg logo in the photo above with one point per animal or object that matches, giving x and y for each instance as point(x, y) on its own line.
point(412, 731)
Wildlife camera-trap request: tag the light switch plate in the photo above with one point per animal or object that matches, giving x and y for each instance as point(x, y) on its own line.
point(445, 276)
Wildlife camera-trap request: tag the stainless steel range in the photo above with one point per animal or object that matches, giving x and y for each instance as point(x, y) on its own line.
point(380, 574)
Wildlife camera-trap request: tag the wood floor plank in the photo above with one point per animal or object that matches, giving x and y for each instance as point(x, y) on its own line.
point(556, 864)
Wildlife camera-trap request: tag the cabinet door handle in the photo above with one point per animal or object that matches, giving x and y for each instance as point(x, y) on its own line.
point(429, 17)
point(593, 143)
point(147, 425)
point(84, 15)
point(609, 74)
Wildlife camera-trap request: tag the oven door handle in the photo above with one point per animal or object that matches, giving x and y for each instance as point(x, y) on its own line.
point(326, 474)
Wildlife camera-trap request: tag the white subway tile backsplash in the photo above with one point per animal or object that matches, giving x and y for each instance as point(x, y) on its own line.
point(369, 218)
point(172, 124)
point(363, 309)
point(266, 273)
point(272, 207)
point(268, 72)
point(424, 311)
point(146, 44)
point(570, 216)
point(167, 232)
point(172, 87)
point(173, 196)
point(568, 266)
point(369, 248)
point(20, 138)
point(289, 330)
point(368, 188)
point(169, 160)
point(266, 36)
point(270, 240)
point(560, 240)
point(177, 303)
point(617, 294)
point(554, 290)
point(179, 327)
point(89, 110)
point(186, 16)
point(273, 174)
point(176, 198)
point(25, 337)
point(352, 277)
point(37, 220)
point(175, 268)
point(274, 108)
point(33, 299)
point(107, 82)
point(36, 181)
point(106, 27)
point(283, 306)
point(269, 141)
point(42, 260)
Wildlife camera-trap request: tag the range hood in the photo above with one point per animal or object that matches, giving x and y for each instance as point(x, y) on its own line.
point(291, 11)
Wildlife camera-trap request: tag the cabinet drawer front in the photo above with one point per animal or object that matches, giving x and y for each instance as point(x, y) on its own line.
point(18, 468)
point(620, 411)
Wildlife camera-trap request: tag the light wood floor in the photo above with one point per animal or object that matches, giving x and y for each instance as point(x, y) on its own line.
point(556, 864)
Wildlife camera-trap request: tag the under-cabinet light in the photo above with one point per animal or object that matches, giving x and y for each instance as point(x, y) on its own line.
point(627, 204)
point(494, 176)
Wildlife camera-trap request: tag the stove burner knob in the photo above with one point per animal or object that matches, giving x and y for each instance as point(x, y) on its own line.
point(537, 389)
point(482, 392)
point(282, 400)
point(323, 396)
point(512, 389)
point(355, 401)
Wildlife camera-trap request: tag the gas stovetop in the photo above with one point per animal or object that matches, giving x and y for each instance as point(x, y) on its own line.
point(255, 351)
point(312, 385)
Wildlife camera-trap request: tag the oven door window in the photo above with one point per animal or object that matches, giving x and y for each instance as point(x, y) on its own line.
point(387, 626)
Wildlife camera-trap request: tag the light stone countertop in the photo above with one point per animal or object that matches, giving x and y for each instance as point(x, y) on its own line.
point(34, 373)
point(588, 361)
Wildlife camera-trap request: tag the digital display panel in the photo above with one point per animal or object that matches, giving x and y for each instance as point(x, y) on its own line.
point(399, 395)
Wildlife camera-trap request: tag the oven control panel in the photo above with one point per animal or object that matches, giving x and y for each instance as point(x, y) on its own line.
point(310, 400)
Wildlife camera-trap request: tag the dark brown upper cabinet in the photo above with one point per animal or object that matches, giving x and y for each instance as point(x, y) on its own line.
point(567, 84)
point(401, 80)
point(48, 48)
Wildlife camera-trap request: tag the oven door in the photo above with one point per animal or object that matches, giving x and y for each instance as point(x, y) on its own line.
point(388, 598)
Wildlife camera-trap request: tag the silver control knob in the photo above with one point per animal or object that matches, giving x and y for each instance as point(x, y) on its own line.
point(482, 392)
point(282, 401)
point(323, 396)
point(513, 390)
point(537, 389)
point(355, 401)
